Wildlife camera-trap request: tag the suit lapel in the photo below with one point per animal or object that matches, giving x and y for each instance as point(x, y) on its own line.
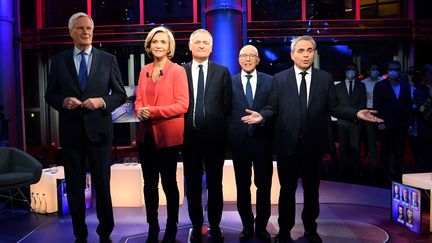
point(238, 86)
point(188, 68)
point(313, 86)
point(258, 91)
point(70, 64)
point(210, 72)
point(94, 66)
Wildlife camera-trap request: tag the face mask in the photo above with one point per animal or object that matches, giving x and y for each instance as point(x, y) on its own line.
point(374, 74)
point(393, 74)
point(350, 74)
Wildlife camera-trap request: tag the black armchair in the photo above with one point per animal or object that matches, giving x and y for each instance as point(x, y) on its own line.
point(17, 169)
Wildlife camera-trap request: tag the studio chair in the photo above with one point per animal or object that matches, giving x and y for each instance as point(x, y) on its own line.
point(17, 169)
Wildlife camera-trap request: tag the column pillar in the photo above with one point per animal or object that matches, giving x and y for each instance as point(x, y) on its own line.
point(224, 21)
point(11, 95)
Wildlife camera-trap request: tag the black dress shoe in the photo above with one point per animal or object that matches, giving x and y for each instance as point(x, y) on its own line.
point(80, 240)
point(170, 234)
point(196, 235)
point(283, 238)
point(216, 234)
point(312, 237)
point(263, 236)
point(153, 234)
point(105, 240)
point(246, 234)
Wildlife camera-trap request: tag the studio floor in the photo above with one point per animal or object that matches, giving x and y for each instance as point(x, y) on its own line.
point(349, 213)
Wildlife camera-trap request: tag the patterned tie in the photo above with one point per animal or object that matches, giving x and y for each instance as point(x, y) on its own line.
point(303, 101)
point(83, 71)
point(350, 89)
point(249, 95)
point(199, 106)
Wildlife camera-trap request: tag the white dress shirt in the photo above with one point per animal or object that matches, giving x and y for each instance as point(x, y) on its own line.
point(253, 81)
point(308, 79)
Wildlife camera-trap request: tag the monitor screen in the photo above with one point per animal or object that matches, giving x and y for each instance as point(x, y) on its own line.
point(406, 206)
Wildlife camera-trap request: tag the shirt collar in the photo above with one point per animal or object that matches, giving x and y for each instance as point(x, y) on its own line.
point(195, 64)
point(298, 70)
point(253, 73)
point(77, 51)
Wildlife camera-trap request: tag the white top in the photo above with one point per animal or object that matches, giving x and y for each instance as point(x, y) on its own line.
point(370, 84)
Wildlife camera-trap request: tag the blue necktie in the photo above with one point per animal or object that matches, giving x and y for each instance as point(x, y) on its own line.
point(83, 71)
point(199, 105)
point(249, 95)
point(303, 102)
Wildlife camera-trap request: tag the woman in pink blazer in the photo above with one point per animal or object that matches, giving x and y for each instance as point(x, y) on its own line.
point(161, 101)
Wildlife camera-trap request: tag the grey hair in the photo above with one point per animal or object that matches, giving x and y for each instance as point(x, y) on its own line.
point(304, 37)
point(77, 16)
point(200, 31)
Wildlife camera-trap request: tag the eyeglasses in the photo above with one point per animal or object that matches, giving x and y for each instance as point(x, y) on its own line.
point(251, 56)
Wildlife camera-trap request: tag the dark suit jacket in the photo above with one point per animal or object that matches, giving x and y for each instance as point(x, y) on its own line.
point(395, 112)
point(237, 130)
point(217, 102)
point(104, 77)
point(357, 100)
point(284, 106)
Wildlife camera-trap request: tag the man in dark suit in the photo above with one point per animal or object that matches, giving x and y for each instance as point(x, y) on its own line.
point(251, 145)
point(205, 134)
point(352, 94)
point(85, 86)
point(392, 100)
point(299, 102)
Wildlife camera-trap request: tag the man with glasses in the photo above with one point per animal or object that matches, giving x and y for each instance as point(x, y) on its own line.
point(251, 145)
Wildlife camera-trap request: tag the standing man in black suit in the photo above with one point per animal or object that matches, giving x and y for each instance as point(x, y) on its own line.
point(352, 94)
point(85, 86)
point(205, 134)
point(251, 145)
point(392, 100)
point(300, 101)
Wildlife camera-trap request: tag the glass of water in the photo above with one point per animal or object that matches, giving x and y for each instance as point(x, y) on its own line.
point(53, 168)
point(126, 161)
point(134, 161)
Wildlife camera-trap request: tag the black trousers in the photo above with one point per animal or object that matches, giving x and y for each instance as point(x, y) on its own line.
point(349, 153)
point(99, 158)
point(257, 155)
point(161, 161)
point(393, 143)
point(201, 154)
point(305, 165)
point(371, 138)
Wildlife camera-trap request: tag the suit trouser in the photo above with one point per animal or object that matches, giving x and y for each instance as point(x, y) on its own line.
point(349, 138)
point(258, 155)
point(305, 165)
point(200, 154)
point(161, 161)
point(99, 158)
point(371, 137)
point(393, 143)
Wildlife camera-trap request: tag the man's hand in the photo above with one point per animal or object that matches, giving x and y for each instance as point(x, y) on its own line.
point(71, 103)
point(93, 103)
point(368, 115)
point(253, 117)
point(143, 113)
